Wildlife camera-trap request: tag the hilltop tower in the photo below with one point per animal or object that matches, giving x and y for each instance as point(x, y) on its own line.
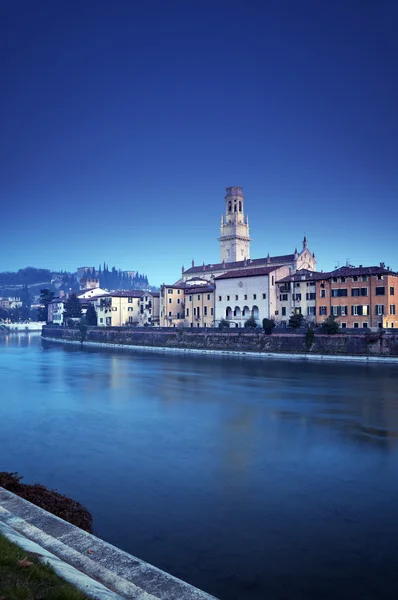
point(235, 239)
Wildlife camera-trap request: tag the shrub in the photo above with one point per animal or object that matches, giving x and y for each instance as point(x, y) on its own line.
point(268, 325)
point(296, 321)
point(309, 338)
point(223, 324)
point(251, 323)
point(330, 325)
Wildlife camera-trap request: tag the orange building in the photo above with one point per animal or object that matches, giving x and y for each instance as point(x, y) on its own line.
point(359, 297)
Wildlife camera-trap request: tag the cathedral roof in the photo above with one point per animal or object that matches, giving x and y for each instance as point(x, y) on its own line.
point(247, 272)
point(255, 262)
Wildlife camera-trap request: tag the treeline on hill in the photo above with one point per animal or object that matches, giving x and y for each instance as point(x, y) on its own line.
point(27, 276)
point(116, 279)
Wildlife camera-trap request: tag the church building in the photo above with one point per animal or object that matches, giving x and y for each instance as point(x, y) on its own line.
point(235, 246)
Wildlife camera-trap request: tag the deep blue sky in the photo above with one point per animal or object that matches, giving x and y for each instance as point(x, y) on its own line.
point(123, 122)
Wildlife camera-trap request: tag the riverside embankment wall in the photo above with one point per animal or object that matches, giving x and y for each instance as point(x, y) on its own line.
point(372, 344)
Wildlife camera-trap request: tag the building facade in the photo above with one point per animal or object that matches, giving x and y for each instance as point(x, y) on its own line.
point(359, 297)
point(117, 309)
point(149, 309)
point(296, 294)
point(247, 293)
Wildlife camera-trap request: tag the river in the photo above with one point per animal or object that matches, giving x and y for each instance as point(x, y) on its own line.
point(251, 479)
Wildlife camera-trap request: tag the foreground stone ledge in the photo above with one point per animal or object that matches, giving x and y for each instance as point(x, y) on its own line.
point(117, 573)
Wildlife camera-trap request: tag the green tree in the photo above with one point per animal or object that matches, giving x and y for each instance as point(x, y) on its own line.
point(73, 308)
point(223, 324)
point(46, 296)
point(268, 325)
point(82, 327)
point(330, 325)
point(251, 323)
point(91, 316)
point(309, 338)
point(296, 321)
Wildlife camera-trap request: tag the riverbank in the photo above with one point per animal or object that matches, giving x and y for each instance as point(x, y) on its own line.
point(355, 348)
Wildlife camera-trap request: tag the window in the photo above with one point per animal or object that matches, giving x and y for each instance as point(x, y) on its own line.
point(364, 277)
point(130, 300)
point(298, 297)
point(311, 296)
point(392, 309)
point(391, 291)
point(342, 279)
point(178, 291)
point(205, 311)
point(272, 280)
point(187, 312)
point(283, 297)
point(130, 309)
point(178, 301)
point(264, 296)
point(380, 291)
point(364, 325)
point(356, 325)
point(379, 309)
point(380, 277)
point(364, 291)
point(219, 298)
point(335, 310)
point(198, 296)
point(190, 298)
point(245, 296)
point(323, 310)
point(344, 325)
point(355, 292)
point(297, 285)
point(254, 296)
point(355, 278)
point(114, 308)
point(343, 311)
point(334, 279)
point(169, 291)
point(297, 310)
point(169, 314)
point(311, 311)
point(211, 311)
point(170, 300)
point(101, 320)
point(178, 315)
point(227, 298)
point(208, 296)
point(338, 293)
point(283, 311)
point(194, 312)
point(236, 297)
point(365, 310)
point(323, 293)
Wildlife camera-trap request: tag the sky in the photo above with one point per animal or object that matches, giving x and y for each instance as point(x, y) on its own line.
point(123, 122)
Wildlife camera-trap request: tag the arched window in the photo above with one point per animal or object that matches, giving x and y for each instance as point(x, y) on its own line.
point(235, 207)
point(230, 206)
point(228, 312)
point(246, 312)
point(240, 205)
point(255, 312)
point(237, 312)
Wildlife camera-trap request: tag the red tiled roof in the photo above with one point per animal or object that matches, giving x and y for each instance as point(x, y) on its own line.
point(247, 273)
point(341, 272)
point(199, 289)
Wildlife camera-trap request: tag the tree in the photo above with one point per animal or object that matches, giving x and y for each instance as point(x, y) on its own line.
point(223, 324)
point(82, 327)
point(46, 296)
point(91, 316)
point(330, 325)
point(296, 321)
point(73, 309)
point(268, 325)
point(251, 323)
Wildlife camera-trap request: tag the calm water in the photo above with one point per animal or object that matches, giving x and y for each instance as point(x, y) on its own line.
point(252, 480)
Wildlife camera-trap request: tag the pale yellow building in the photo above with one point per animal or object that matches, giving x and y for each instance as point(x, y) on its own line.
point(199, 306)
point(149, 309)
point(118, 308)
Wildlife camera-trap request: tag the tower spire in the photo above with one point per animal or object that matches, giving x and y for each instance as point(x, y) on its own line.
point(235, 239)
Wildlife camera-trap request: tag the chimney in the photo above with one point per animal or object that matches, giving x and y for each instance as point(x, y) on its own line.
point(382, 265)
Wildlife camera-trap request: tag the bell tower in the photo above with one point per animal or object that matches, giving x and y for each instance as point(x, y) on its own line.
point(235, 239)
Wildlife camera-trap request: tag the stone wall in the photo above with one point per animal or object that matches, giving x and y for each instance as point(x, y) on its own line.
point(373, 344)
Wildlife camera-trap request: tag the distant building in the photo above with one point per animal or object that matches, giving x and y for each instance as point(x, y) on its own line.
point(120, 308)
point(56, 311)
point(131, 274)
point(82, 271)
point(89, 283)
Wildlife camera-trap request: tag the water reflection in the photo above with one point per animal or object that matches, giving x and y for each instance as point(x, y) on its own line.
point(248, 478)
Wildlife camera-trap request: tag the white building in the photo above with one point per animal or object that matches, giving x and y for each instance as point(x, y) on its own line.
point(56, 311)
point(246, 293)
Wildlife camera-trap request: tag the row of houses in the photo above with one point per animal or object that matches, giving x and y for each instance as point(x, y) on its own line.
point(360, 297)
